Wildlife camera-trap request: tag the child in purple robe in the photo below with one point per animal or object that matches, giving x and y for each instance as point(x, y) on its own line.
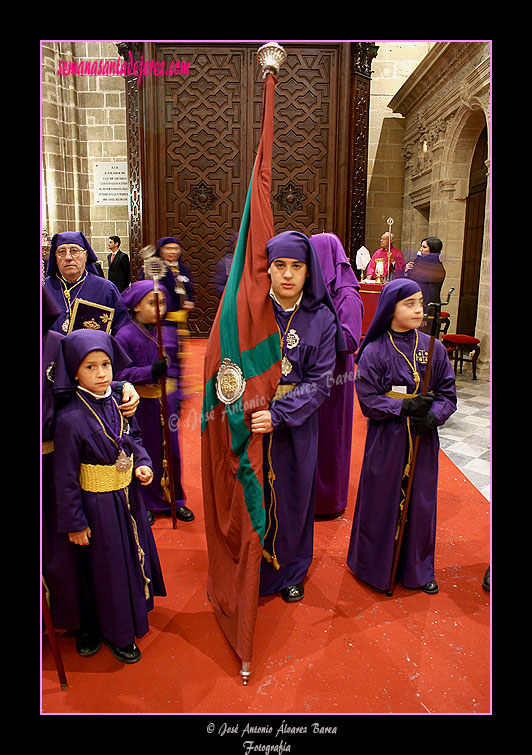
point(335, 425)
point(98, 464)
point(391, 366)
point(310, 337)
point(139, 340)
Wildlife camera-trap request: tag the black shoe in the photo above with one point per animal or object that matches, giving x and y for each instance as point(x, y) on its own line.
point(151, 518)
point(293, 593)
point(88, 643)
point(186, 515)
point(431, 587)
point(487, 579)
point(128, 654)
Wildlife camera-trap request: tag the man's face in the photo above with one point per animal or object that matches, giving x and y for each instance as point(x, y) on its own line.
point(70, 260)
point(112, 245)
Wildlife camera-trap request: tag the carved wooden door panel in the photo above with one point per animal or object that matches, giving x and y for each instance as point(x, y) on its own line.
point(202, 133)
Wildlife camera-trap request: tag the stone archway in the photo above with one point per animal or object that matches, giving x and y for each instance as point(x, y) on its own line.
point(462, 135)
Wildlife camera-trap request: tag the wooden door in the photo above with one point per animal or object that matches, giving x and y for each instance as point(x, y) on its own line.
point(201, 132)
point(473, 239)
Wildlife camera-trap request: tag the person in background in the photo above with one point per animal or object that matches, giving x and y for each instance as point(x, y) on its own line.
point(336, 413)
point(223, 267)
point(139, 340)
point(118, 264)
point(428, 272)
point(394, 262)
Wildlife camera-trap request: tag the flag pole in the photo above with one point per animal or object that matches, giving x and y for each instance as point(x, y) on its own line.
point(270, 58)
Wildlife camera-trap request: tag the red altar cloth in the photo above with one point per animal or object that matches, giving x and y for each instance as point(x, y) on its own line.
point(369, 293)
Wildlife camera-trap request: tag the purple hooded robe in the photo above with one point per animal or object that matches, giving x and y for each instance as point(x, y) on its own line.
point(140, 344)
point(117, 582)
point(294, 441)
point(335, 415)
point(380, 369)
point(91, 288)
point(59, 557)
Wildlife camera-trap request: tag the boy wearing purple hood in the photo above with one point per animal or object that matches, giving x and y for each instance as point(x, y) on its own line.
point(310, 336)
point(391, 366)
point(98, 463)
point(139, 340)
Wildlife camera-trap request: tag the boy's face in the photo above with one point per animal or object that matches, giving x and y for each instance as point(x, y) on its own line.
point(288, 278)
point(408, 313)
point(170, 252)
point(95, 372)
point(146, 309)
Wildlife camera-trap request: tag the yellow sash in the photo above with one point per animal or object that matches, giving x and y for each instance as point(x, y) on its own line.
point(104, 478)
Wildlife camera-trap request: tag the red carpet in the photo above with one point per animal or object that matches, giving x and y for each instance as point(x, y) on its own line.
point(343, 650)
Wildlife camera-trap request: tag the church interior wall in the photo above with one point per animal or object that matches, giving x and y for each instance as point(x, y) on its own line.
point(83, 122)
point(391, 67)
point(445, 104)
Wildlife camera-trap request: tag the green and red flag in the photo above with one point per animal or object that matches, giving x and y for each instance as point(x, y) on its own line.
point(245, 334)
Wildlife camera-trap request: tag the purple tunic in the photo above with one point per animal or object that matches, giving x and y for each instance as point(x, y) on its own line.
point(59, 556)
point(117, 585)
point(336, 412)
point(295, 446)
point(371, 547)
point(94, 289)
point(140, 343)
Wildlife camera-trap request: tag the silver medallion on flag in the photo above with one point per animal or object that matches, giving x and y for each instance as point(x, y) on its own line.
point(230, 383)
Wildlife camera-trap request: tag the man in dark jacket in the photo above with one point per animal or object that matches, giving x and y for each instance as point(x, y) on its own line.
point(118, 263)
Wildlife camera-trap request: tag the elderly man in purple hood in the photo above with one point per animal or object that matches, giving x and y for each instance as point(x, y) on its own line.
point(72, 277)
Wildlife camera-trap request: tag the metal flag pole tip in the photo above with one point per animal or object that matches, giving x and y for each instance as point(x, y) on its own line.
point(245, 672)
point(271, 56)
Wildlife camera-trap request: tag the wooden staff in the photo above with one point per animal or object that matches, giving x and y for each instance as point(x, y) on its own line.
point(154, 269)
point(48, 623)
point(424, 390)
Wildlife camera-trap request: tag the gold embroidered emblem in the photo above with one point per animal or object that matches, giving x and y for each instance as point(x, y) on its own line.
point(91, 324)
point(230, 383)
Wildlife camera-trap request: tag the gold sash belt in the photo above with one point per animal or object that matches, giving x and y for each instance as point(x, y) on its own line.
point(155, 391)
point(397, 394)
point(47, 447)
point(103, 478)
point(282, 390)
point(179, 315)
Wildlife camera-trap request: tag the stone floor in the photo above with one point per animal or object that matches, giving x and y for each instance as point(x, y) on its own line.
point(465, 437)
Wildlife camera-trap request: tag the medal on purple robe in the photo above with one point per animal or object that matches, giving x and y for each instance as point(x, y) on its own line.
point(123, 463)
point(291, 339)
point(66, 296)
